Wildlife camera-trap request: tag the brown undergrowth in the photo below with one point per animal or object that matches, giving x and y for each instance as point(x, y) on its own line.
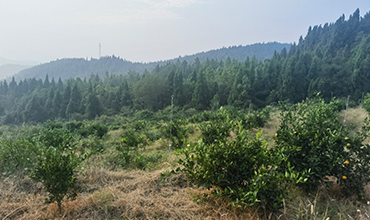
point(136, 194)
point(117, 195)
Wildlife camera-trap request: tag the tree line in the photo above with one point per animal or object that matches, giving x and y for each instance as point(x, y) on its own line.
point(333, 59)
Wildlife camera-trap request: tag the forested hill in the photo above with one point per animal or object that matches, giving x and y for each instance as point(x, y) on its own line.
point(333, 59)
point(79, 67)
point(240, 53)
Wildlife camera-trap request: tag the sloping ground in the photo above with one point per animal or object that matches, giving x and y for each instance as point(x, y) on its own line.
point(116, 195)
point(136, 194)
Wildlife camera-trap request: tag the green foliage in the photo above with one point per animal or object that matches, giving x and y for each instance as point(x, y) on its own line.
point(143, 161)
point(203, 116)
point(144, 115)
point(325, 145)
point(131, 151)
point(93, 129)
point(333, 59)
point(49, 155)
point(242, 168)
point(16, 156)
point(255, 119)
point(73, 126)
point(139, 125)
point(178, 133)
point(366, 102)
point(216, 129)
point(58, 137)
point(56, 170)
point(129, 146)
point(131, 139)
point(93, 143)
point(52, 124)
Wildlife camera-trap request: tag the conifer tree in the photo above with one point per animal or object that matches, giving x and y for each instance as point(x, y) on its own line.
point(93, 105)
point(74, 104)
point(200, 98)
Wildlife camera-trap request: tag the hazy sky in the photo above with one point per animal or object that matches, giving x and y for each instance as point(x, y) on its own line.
point(151, 30)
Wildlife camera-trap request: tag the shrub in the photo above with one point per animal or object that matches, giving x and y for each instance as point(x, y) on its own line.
point(242, 168)
point(57, 137)
point(16, 155)
point(131, 139)
point(93, 129)
point(142, 161)
point(52, 124)
point(55, 169)
point(216, 129)
point(366, 102)
point(144, 115)
point(130, 151)
point(256, 119)
point(178, 132)
point(129, 147)
point(93, 143)
point(197, 118)
point(73, 126)
point(139, 125)
point(326, 145)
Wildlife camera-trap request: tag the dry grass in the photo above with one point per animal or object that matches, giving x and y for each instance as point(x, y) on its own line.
point(119, 195)
point(326, 205)
point(270, 127)
point(115, 134)
point(134, 194)
point(355, 117)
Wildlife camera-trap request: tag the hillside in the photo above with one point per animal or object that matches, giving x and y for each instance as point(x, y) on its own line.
point(240, 53)
point(249, 143)
point(78, 67)
point(112, 188)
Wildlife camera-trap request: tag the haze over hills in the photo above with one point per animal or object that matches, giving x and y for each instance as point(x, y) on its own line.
point(79, 67)
point(4, 61)
point(10, 67)
point(332, 60)
point(8, 70)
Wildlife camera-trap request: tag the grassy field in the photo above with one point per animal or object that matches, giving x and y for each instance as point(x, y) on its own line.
point(112, 192)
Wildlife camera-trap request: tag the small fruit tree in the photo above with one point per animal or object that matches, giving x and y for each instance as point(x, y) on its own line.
point(56, 168)
point(241, 168)
point(326, 146)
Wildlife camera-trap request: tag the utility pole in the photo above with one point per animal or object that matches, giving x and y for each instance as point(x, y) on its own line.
point(99, 50)
point(345, 113)
point(169, 147)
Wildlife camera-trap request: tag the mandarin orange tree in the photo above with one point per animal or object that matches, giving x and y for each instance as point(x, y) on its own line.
point(56, 165)
point(326, 146)
point(242, 168)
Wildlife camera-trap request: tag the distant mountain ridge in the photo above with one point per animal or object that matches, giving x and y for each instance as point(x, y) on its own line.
point(79, 67)
point(261, 51)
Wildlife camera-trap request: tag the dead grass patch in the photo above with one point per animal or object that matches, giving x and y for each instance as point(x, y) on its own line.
point(115, 134)
point(119, 195)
